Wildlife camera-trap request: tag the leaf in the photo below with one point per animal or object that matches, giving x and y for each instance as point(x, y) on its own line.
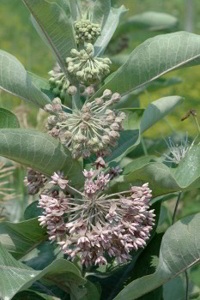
point(101, 11)
point(14, 79)
point(16, 277)
point(149, 20)
point(8, 119)
point(187, 173)
point(152, 59)
point(39, 151)
point(13, 275)
point(20, 238)
point(42, 84)
point(180, 250)
point(108, 29)
point(157, 110)
point(56, 28)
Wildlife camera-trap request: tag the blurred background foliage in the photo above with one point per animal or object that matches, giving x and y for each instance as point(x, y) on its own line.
point(19, 38)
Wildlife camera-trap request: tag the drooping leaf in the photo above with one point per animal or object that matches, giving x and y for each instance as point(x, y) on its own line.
point(180, 250)
point(13, 275)
point(20, 238)
point(14, 79)
point(150, 20)
point(42, 84)
point(55, 26)
point(8, 119)
point(153, 58)
point(157, 110)
point(16, 276)
point(108, 29)
point(40, 152)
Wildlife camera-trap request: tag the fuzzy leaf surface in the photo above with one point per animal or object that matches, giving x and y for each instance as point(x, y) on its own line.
point(39, 151)
point(55, 27)
point(15, 80)
point(16, 276)
point(152, 59)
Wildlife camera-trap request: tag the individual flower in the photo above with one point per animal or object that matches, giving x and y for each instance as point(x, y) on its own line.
point(86, 31)
point(94, 225)
point(92, 129)
point(87, 68)
point(177, 151)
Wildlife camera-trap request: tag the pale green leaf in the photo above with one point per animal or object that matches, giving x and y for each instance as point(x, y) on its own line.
point(40, 152)
point(150, 20)
point(16, 277)
point(157, 110)
point(152, 59)
point(55, 27)
point(8, 119)
point(14, 79)
point(108, 29)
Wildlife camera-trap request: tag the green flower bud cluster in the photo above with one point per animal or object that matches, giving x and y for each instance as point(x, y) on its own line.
point(86, 31)
point(92, 129)
point(85, 67)
point(59, 83)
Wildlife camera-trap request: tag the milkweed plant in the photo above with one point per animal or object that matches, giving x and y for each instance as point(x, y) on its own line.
point(97, 228)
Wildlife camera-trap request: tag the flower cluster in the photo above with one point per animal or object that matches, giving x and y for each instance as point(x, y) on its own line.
point(34, 181)
point(94, 225)
point(87, 68)
point(86, 31)
point(92, 129)
point(177, 151)
point(59, 83)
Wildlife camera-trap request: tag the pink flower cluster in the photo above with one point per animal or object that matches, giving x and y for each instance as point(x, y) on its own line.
point(94, 225)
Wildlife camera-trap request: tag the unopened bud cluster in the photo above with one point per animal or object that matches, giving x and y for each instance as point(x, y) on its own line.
point(59, 83)
point(93, 225)
point(86, 31)
point(34, 181)
point(92, 129)
point(87, 68)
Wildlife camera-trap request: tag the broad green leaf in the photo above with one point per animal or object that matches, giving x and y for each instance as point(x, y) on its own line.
point(13, 275)
point(20, 238)
point(56, 28)
point(16, 277)
point(101, 11)
point(187, 173)
point(150, 20)
point(180, 250)
point(42, 84)
point(8, 119)
point(108, 29)
point(152, 59)
point(14, 79)
point(40, 152)
point(157, 110)
point(92, 292)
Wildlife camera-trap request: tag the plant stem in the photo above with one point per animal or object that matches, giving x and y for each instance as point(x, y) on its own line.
point(197, 124)
point(176, 207)
point(76, 101)
point(144, 146)
point(185, 272)
point(186, 285)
